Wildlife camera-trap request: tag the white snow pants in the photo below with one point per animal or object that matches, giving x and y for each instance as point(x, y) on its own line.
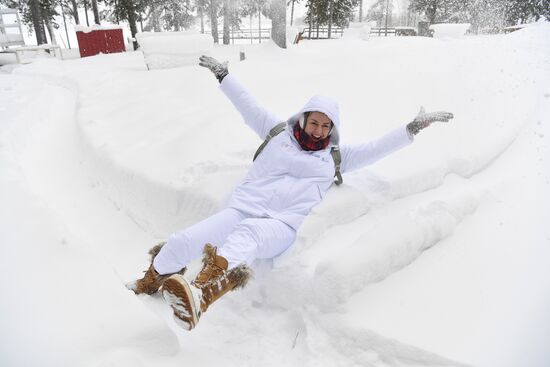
point(240, 239)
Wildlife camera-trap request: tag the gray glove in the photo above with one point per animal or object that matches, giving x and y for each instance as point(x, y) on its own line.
point(217, 68)
point(425, 119)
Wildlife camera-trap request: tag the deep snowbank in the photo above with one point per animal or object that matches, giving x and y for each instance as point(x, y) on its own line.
point(62, 302)
point(111, 156)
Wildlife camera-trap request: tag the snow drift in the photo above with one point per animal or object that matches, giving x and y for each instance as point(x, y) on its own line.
point(437, 255)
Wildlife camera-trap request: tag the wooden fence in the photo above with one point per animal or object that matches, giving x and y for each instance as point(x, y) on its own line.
point(239, 35)
point(321, 33)
point(393, 31)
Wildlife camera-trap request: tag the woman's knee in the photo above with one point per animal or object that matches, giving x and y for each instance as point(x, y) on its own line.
point(248, 226)
point(177, 239)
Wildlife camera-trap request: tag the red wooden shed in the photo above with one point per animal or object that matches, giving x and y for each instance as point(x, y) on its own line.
point(93, 41)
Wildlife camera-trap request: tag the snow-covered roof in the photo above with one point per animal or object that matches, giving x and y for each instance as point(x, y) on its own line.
point(85, 29)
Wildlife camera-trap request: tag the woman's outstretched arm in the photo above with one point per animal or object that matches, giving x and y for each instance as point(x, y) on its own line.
point(255, 116)
point(360, 155)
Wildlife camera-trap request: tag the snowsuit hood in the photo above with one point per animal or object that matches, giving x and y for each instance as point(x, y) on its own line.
point(323, 104)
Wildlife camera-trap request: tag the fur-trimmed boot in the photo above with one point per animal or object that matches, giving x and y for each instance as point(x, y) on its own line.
point(151, 281)
point(190, 300)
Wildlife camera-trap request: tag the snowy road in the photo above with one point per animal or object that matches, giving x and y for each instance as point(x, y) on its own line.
point(436, 256)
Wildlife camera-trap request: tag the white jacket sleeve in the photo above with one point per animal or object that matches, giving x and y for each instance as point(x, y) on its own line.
point(256, 117)
point(360, 155)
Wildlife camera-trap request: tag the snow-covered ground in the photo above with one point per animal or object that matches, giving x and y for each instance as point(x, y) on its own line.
point(436, 256)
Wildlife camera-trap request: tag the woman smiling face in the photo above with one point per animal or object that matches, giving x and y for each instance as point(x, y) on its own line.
point(318, 125)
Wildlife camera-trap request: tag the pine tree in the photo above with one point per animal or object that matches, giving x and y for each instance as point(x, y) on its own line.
point(342, 11)
point(152, 16)
point(127, 10)
point(212, 7)
point(73, 10)
point(482, 13)
point(544, 9)
point(330, 12)
point(522, 11)
point(377, 12)
point(226, 21)
point(85, 4)
point(96, 12)
point(177, 14)
point(201, 9)
point(252, 7)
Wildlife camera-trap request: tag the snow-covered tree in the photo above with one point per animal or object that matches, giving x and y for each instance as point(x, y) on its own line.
point(291, 3)
point(432, 9)
point(254, 7)
point(201, 9)
point(152, 16)
point(85, 4)
point(95, 11)
point(522, 11)
point(213, 7)
point(177, 14)
point(231, 18)
point(330, 12)
point(341, 11)
point(377, 12)
point(128, 10)
point(276, 11)
point(73, 10)
point(482, 13)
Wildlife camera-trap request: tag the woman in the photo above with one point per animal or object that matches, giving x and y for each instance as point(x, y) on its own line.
point(289, 177)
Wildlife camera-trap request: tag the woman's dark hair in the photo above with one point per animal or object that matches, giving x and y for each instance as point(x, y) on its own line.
point(306, 115)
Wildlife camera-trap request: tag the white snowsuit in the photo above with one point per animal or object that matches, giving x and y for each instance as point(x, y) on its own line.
point(283, 184)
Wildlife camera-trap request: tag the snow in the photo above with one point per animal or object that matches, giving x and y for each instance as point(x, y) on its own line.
point(439, 255)
point(172, 49)
point(291, 34)
point(450, 30)
point(358, 30)
point(95, 27)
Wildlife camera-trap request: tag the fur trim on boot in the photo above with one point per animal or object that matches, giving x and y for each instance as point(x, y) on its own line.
point(154, 251)
point(241, 275)
point(209, 251)
point(151, 281)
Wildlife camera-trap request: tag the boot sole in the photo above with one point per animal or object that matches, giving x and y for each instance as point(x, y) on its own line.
point(178, 293)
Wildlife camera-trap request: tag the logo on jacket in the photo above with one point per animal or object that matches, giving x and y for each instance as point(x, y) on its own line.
point(317, 155)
